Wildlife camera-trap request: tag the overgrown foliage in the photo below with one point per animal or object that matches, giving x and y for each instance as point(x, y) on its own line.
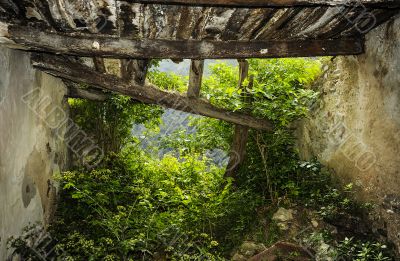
point(180, 206)
point(140, 207)
point(279, 91)
point(110, 122)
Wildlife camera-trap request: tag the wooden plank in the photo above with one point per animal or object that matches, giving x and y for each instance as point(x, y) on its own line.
point(195, 77)
point(107, 46)
point(273, 3)
point(147, 93)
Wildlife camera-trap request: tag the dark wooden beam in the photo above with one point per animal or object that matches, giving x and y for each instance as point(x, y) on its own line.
point(147, 93)
point(195, 77)
point(273, 3)
point(75, 91)
point(108, 46)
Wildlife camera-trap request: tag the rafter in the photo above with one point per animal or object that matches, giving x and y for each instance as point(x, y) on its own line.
point(274, 3)
point(147, 93)
point(115, 47)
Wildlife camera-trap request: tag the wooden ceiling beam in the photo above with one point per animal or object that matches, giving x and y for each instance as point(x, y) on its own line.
point(68, 69)
point(274, 3)
point(78, 44)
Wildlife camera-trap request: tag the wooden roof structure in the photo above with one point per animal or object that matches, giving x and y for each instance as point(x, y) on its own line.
point(60, 31)
point(197, 29)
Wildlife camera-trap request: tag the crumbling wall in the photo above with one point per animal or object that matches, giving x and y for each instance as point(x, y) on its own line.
point(355, 127)
point(32, 148)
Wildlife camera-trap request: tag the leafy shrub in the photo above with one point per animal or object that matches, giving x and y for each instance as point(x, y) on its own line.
point(140, 207)
point(350, 249)
point(279, 91)
point(110, 122)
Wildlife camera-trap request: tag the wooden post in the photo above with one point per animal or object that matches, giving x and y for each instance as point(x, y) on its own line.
point(134, 70)
point(195, 77)
point(99, 64)
point(238, 147)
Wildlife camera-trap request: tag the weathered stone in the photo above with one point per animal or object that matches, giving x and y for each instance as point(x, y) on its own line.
point(314, 223)
point(249, 249)
point(283, 251)
point(238, 257)
point(355, 130)
point(283, 215)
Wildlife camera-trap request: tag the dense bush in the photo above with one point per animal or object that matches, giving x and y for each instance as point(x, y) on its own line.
point(140, 207)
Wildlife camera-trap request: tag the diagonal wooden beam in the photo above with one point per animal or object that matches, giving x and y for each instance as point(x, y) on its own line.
point(147, 93)
point(74, 91)
point(195, 77)
point(115, 47)
point(273, 3)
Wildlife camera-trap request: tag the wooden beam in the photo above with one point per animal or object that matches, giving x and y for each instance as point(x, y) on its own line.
point(195, 77)
point(74, 91)
point(273, 3)
point(109, 46)
point(147, 93)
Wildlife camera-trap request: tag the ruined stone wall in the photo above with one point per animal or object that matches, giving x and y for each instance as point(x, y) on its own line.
point(355, 127)
point(32, 149)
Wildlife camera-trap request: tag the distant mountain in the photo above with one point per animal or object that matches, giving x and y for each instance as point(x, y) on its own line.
point(172, 119)
point(183, 67)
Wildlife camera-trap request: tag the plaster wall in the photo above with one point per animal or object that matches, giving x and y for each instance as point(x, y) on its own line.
point(32, 148)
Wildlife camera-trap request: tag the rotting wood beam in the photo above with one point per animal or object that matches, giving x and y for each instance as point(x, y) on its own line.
point(274, 3)
point(195, 78)
point(20, 37)
point(74, 91)
point(147, 93)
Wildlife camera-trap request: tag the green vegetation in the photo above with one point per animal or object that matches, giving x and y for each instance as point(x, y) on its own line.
point(110, 123)
point(138, 206)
